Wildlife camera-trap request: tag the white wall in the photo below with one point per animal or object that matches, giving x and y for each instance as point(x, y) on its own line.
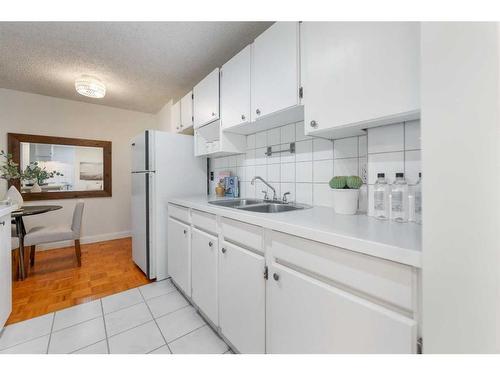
point(35, 114)
point(461, 151)
point(163, 117)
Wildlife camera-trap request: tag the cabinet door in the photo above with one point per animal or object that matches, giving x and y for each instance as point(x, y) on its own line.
point(356, 72)
point(175, 117)
point(275, 69)
point(206, 100)
point(235, 89)
point(179, 259)
point(242, 298)
point(305, 315)
point(204, 273)
point(5, 270)
point(187, 111)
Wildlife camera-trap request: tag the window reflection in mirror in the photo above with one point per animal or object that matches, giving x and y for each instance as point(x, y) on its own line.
point(70, 168)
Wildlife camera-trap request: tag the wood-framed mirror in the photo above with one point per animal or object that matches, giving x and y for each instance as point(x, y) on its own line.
point(73, 167)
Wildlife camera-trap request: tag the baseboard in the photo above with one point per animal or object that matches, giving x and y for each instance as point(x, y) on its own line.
point(86, 239)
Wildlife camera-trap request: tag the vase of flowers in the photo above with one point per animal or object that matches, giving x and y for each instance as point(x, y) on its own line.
point(346, 193)
point(9, 170)
point(37, 175)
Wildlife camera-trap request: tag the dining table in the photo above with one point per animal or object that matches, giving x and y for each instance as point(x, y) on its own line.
point(17, 218)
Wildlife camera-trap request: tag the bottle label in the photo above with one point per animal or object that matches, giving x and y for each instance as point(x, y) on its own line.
point(379, 201)
point(418, 203)
point(397, 201)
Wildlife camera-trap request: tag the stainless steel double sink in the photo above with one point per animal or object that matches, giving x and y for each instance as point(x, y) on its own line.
point(259, 205)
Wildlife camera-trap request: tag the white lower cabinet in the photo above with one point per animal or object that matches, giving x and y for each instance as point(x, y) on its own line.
point(242, 298)
point(204, 248)
point(306, 315)
point(5, 270)
point(179, 254)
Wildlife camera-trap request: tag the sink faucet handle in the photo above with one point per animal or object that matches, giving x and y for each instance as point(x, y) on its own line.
point(284, 197)
point(265, 195)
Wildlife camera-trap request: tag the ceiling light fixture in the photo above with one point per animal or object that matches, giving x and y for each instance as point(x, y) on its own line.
point(90, 86)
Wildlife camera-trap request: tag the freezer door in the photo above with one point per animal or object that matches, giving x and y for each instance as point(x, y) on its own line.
point(141, 221)
point(140, 152)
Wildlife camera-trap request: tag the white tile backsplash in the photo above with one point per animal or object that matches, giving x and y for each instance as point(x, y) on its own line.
point(389, 149)
point(322, 149)
point(386, 138)
point(303, 150)
point(345, 148)
point(304, 172)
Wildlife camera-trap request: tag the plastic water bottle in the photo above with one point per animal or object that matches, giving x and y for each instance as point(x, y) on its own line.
point(381, 198)
point(399, 199)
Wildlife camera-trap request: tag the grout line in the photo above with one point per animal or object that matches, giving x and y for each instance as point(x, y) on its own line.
point(161, 346)
point(86, 346)
point(187, 333)
point(157, 326)
point(105, 329)
point(51, 330)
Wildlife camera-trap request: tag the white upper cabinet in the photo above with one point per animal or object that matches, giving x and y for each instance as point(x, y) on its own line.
point(187, 111)
point(206, 100)
point(275, 69)
point(235, 89)
point(359, 74)
point(175, 117)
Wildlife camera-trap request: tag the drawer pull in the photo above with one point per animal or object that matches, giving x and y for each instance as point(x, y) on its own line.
point(223, 250)
point(185, 231)
point(210, 244)
point(2, 223)
point(276, 276)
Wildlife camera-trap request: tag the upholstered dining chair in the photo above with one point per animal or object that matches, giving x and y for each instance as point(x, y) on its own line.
point(42, 235)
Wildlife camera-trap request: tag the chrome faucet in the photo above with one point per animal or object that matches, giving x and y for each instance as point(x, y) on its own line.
point(275, 197)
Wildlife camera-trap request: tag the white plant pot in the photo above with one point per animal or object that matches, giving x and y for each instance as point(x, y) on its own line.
point(345, 201)
point(36, 188)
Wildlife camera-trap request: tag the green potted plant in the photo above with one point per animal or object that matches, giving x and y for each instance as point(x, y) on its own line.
point(9, 170)
point(38, 175)
point(346, 193)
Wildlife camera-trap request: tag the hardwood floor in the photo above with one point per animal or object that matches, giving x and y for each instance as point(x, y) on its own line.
point(56, 281)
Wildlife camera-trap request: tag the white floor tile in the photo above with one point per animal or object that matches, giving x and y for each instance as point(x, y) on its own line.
point(100, 347)
point(166, 303)
point(121, 300)
point(201, 341)
point(77, 314)
point(138, 340)
point(162, 350)
point(78, 336)
point(25, 331)
point(36, 346)
point(124, 319)
point(179, 323)
point(157, 289)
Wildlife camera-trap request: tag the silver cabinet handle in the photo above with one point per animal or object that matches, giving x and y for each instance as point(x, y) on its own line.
point(2, 223)
point(313, 124)
point(276, 276)
point(185, 231)
point(257, 111)
point(210, 244)
point(243, 117)
point(213, 114)
point(223, 250)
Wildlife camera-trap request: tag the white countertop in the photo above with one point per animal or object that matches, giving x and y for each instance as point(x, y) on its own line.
point(399, 242)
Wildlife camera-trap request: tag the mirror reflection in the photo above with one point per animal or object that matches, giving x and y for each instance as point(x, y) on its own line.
point(53, 167)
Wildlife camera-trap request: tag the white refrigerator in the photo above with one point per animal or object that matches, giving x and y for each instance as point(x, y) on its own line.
point(163, 167)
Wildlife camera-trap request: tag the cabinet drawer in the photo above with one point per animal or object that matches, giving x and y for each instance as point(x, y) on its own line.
point(204, 220)
point(244, 234)
point(372, 278)
point(178, 212)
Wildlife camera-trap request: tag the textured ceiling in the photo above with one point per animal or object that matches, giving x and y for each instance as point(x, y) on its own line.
point(143, 64)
